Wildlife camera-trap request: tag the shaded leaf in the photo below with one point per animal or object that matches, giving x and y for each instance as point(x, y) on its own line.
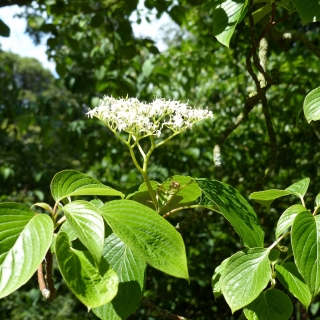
point(235, 209)
point(270, 305)
point(216, 278)
point(4, 29)
point(268, 196)
point(308, 10)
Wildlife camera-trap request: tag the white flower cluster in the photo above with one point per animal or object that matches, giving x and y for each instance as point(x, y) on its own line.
point(138, 118)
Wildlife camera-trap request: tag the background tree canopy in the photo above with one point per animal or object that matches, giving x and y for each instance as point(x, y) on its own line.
point(44, 129)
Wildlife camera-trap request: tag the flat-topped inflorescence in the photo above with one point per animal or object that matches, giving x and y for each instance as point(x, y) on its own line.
point(146, 119)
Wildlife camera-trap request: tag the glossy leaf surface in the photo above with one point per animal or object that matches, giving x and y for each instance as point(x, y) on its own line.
point(88, 226)
point(246, 274)
point(149, 235)
point(69, 183)
point(25, 237)
point(305, 239)
point(292, 280)
point(93, 286)
point(286, 219)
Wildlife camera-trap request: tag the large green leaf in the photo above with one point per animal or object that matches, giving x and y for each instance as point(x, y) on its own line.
point(308, 10)
point(234, 207)
point(268, 196)
point(299, 189)
point(291, 279)
point(287, 218)
point(305, 239)
point(225, 18)
point(311, 105)
point(270, 305)
point(148, 235)
point(69, 183)
point(246, 274)
point(25, 237)
point(131, 271)
point(93, 286)
point(142, 195)
point(216, 278)
point(88, 225)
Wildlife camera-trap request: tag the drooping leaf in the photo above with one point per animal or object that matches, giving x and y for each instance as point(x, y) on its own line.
point(311, 105)
point(287, 218)
point(216, 278)
point(259, 14)
point(25, 237)
point(88, 225)
point(292, 280)
point(246, 274)
point(308, 10)
point(226, 16)
point(235, 209)
point(147, 234)
point(274, 255)
point(93, 286)
point(268, 196)
point(270, 305)
point(131, 271)
point(299, 189)
point(69, 183)
point(305, 239)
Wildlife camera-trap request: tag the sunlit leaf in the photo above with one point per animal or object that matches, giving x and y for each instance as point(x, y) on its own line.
point(147, 234)
point(25, 238)
point(93, 286)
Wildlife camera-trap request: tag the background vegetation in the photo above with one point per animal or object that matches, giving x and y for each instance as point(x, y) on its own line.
point(43, 127)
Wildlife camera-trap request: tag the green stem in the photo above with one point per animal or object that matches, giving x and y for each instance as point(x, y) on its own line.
point(182, 208)
point(277, 241)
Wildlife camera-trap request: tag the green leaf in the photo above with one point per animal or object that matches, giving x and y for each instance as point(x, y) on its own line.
point(131, 271)
point(287, 218)
point(225, 17)
point(259, 14)
point(305, 239)
point(93, 286)
point(318, 200)
point(274, 255)
point(246, 274)
point(69, 183)
point(143, 196)
point(268, 196)
point(299, 189)
point(147, 234)
point(177, 191)
point(215, 281)
point(235, 209)
point(311, 105)
point(308, 10)
point(88, 225)
point(272, 304)
point(25, 238)
point(4, 29)
point(291, 279)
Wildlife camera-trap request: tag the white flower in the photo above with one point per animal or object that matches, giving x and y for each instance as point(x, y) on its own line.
point(142, 119)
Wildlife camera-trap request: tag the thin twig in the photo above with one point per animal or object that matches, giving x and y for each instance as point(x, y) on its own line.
point(161, 312)
point(46, 283)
